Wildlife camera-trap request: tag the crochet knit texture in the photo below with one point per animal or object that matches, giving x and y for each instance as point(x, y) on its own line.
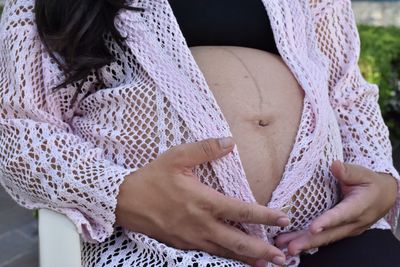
point(73, 159)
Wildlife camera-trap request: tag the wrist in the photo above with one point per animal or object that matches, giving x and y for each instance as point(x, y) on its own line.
point(391, 188)
point(124, 196)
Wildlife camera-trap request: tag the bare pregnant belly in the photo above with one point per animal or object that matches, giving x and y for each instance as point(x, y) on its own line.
point(262, 102)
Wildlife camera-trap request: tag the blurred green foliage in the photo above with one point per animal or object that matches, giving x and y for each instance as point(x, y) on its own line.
point(380, 64)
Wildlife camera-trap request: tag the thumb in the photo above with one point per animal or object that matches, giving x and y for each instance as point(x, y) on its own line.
point(192, 154)
point(349, 174)
point(338, 170)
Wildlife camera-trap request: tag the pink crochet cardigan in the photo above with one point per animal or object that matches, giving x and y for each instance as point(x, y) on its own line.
point(73, 159)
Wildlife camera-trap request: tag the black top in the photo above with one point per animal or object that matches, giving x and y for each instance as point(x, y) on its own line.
point(225, 22)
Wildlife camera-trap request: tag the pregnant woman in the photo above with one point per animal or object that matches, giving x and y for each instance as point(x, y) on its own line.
point(198, 133)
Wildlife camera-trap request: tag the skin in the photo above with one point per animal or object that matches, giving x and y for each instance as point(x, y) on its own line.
point(194, 222)
point(247, 96)
point(253, 88)
point(193, 218)
point(264, 150)
point(367, 196)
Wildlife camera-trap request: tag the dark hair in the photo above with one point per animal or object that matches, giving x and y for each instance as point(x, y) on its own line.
point(75, 30)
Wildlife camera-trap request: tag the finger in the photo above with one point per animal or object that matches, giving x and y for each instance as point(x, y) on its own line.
point(245, 245)
point(282, 240)
point(192, 154)
point(351, 174)
point(240, 211)
point(308, 240)
point(217, 250)
point(347, 211)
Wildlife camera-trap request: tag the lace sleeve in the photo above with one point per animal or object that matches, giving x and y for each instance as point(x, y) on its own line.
point(365, 136)
point(43, 164)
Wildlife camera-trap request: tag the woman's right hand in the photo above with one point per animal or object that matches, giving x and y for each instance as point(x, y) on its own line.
point(166, 201)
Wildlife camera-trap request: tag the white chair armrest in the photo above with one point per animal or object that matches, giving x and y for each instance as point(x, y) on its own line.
point(59, 242)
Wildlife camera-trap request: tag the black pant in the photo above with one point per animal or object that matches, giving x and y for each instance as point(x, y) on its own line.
point(373, 248)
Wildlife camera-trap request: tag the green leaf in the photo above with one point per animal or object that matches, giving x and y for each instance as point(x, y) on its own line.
point(380, 64)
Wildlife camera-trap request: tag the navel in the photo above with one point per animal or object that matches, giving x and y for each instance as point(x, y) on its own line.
point(263, 123)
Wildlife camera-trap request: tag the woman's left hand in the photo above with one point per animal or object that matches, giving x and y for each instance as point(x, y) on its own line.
point(367, 197)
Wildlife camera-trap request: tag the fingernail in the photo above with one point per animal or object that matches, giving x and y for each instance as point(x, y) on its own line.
point(285, 209)
point(283, 221)
point(261, 263)
point(344, 169)
point(319, 230)
point(226, 142)
point(278, 260)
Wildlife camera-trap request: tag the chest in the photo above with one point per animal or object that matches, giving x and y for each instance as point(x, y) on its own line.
point(225, 22)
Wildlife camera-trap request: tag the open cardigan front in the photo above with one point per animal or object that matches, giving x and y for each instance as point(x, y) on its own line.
point(153, 97)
